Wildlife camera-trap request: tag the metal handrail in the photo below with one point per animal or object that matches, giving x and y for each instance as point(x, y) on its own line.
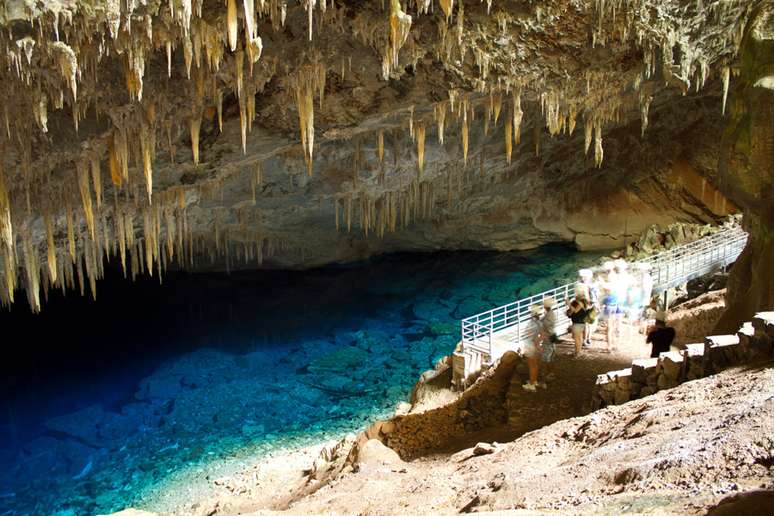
point(668, 269)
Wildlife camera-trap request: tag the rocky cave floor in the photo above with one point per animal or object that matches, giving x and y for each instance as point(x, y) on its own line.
point(679, 451)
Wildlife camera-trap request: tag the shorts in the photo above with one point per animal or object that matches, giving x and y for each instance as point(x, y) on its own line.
point(578, 329)
point(531, 350)
point(549, 350)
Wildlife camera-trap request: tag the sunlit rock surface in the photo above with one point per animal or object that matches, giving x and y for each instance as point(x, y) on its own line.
point(209, 134)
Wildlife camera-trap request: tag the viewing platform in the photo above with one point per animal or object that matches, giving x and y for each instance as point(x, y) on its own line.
point(486, 336)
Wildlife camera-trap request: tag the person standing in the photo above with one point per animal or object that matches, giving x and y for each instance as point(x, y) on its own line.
point(660, 336)
point(623, 287)
point(610, 303)
point(587, 281)
point(532, 347)
point(577, 311)
point(550, 338)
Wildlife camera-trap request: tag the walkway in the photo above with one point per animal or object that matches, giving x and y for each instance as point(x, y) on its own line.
point(486, 336)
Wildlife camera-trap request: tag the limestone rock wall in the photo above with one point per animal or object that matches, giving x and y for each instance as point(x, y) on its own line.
point(746, 170)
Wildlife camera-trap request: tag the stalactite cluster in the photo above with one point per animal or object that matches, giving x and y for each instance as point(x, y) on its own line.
point(85, 99)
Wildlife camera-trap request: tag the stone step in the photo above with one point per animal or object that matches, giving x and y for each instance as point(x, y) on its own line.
point(644, 369)
point(693, 354)
point(721, 351)
point(670, 370)
point(763, 323)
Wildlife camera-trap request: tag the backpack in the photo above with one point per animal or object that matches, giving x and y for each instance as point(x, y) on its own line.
point(591, 315)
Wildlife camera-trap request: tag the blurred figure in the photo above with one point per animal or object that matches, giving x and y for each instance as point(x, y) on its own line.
point(577, 311)
point(610, 305)
point(624, 287)
point(641, 291)
point(532, 348)
point(647, 286)
point(550, 338)
point(660, 336)
point(592, 312)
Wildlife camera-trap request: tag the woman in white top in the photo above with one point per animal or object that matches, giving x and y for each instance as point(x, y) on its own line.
point(533, 348)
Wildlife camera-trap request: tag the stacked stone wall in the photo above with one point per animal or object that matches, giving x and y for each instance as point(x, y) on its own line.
point(482, 405)
point(753, 341)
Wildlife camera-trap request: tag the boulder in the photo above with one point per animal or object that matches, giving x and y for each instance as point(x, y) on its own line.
point(484, 449)
point(373, 452)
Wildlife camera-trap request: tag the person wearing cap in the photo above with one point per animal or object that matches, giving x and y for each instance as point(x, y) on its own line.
point(550, 338)
point(660, 336)
point(532, 347)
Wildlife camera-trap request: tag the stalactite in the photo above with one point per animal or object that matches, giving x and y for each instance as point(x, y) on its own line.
point(400, 26)
point(96, 178)
point(440, 118)
point(598, 152)
point(6, 224)
point(68, 65)
point(32, 271)
point(83, 187)
point(307, 80)
point(420, 130)
point(249, 7)
point(219, 109)
point(231, 22)
point(725, 76)
point(195, 123)
point(518, 115)
point(508, 139)
point(465, 135)
point(447, 6)
point(113, 166)
point(146, 146)
point(51, 248)
point(9, 272)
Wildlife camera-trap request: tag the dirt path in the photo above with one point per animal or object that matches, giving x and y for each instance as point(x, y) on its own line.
point(567, 395)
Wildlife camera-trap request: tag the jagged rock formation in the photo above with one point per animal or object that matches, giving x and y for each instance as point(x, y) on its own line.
point(198, 131)
point(746, 171)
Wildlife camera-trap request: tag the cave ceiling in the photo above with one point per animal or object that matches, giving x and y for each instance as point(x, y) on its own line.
point(188, 132)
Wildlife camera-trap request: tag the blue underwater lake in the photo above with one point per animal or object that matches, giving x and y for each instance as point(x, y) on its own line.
point(105, 403)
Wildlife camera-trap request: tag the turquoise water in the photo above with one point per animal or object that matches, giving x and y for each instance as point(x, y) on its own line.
point(208, 369)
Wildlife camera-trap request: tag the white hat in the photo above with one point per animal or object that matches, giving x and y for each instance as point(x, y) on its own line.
point(549, 302)
point(620, 263)
point(609, 265)
point(535, 310)
point(585, 273)
point(661, 316)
